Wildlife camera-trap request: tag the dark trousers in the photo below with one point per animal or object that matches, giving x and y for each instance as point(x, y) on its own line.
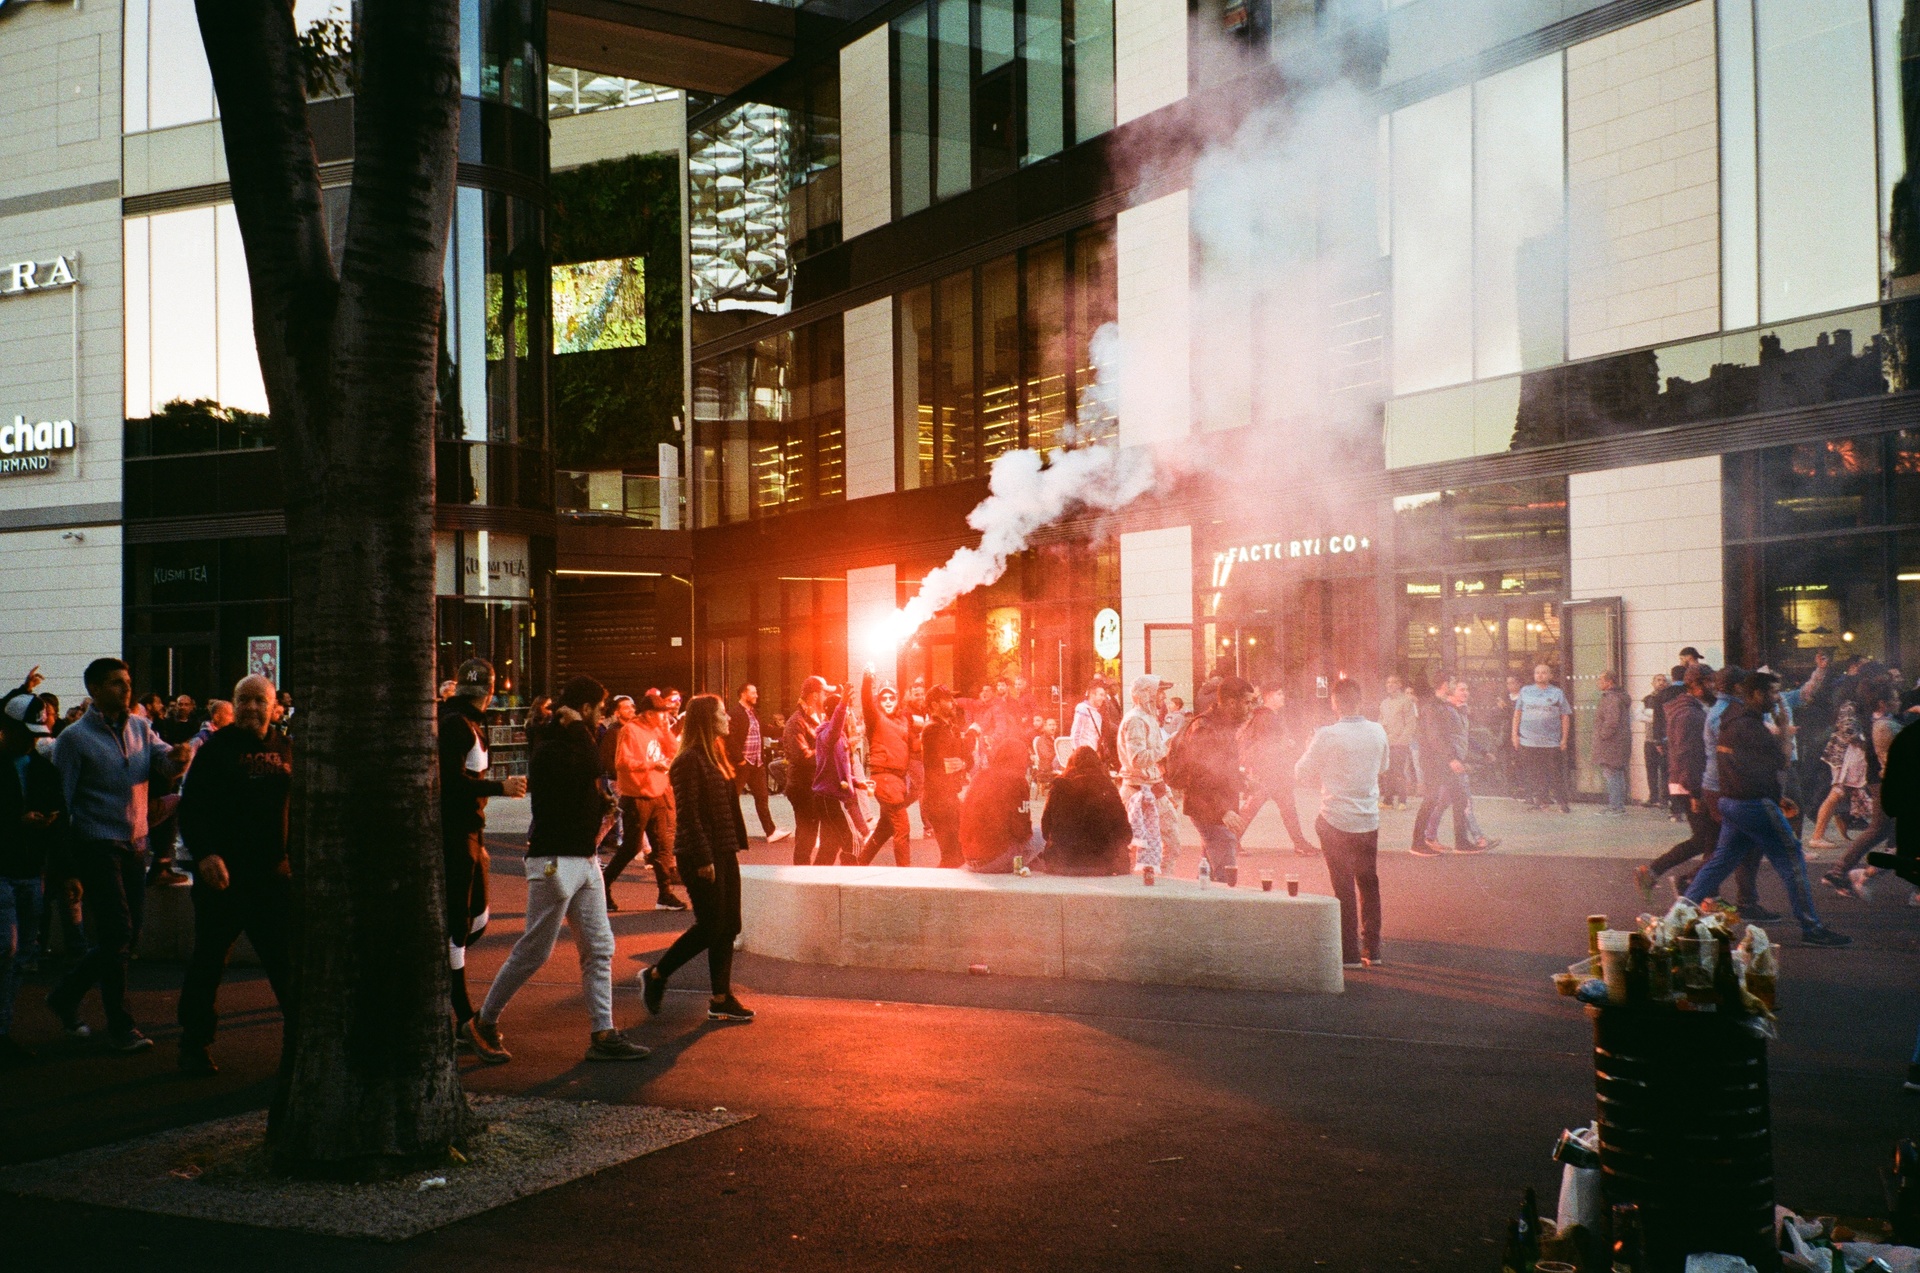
point(1543, 770)
point(1397, 783)
point(1656, 758)
point(836, 837)
point(1279, 789)
point(1353, 867)
point(943, 822)
point(892, 826)
point(115, 882)
point(258, 906)
point(806, 821)
point(716, 922)
point(1703, 836)
point(1449, 791)
point(653, 817)
point(754, 778)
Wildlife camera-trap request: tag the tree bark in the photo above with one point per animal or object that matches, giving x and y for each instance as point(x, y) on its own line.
point(368, 1083)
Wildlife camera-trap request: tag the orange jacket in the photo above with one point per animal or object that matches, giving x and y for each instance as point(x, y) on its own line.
point(641, 758)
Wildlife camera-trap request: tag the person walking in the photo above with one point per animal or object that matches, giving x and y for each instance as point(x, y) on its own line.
point(1613, 741)
point(889, 753)
point(1653, 751)
point(1542, 728)
point(746, 751)
point(643, 747)
point(1400, 717)
point(32, 822)
point(833, 782)
point(1686, 776)
point(1088, 719)
point(1207, 766)
point(233, 819)
point(1750, 761)
point(1268, 748)
point(1143, 787)
point(1446, 750)
point(563, 879)
point(948, 753)
point(108, 761)
point(797, 743)
point(1346, 760)
point(465, 788)
point(709, 837)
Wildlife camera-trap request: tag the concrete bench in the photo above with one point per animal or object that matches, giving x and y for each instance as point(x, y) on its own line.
point(1110, 928)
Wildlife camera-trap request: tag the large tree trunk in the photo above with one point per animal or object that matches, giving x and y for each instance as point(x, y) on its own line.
point(349, 362)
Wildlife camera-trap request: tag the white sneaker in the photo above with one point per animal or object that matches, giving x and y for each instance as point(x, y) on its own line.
point(779, 834)
point(1822, 843)
point(1858, 878)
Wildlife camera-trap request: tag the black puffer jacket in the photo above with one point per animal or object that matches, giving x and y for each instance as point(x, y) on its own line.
point(1686, 742)
point(1751, 756)
point(1085, 824)
point(568, 803)
point(707, 821)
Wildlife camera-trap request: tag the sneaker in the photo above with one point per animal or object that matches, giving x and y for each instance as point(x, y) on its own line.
point(486, 1042)
point(1373, 961)
point(729, 1009)
point(670, 902)
point(1822, 843)
point(612, 905)
point(1306, 850)
point(1837, 881)
point(653, 989)
point(1824, 936)
point(130, 1041)
point(1427, 849)
point(197, 1062)
point(779, 834)
point(1643, 879)
point(1471, 847)
point(69, 1020)
point(1913, 1079)
point(1352, 966)
point(1758, 914)
point(611, 1045)
point(1857, 878)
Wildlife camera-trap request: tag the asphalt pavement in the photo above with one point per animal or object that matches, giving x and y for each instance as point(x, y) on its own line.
point(925, 1121)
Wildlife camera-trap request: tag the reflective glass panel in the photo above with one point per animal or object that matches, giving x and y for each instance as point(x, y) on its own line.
point(1432, 198)
point(1519, 195)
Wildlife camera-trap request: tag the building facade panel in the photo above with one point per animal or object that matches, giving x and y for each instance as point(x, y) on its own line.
point(870, 399)
point(872, 595)
point(1155, 306)
point(1156, 587)
point(1150, 56)
point(866, 149)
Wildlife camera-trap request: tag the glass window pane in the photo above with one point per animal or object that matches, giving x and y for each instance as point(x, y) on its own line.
point(239, 359)
point(1045, 58)
point(913, 328)
point(1046, 356)
point(1739, 174)
point(1095, 303)
point(1828, 593)
point(953, 51)
point(135, 268)
point(999, 359)
point(770, 410)
point(184, 328)
point(1433, 242)
point(467, 314)
point(953, 378)
point(1898, 224)
point(1092, 67)
point(1816, 486)
point(996, 34)
point(179, 84)
point(913, 121)
point(1819, 225)
point(1519, 193)
point(827, 404)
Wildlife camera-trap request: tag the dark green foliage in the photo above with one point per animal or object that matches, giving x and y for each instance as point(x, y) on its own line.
point(614, 407)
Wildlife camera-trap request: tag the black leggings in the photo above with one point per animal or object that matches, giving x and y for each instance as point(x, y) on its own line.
point(716, 922)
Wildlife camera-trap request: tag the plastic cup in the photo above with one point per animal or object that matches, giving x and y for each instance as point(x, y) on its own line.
point(1552, 1266)
point(1293, 886)
point(1614, 946)
point(1266, 881)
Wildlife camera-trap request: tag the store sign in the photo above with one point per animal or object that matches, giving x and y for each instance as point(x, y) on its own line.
point(263, 658)
point(1106, 634)
point(496, 566)
point(30, 448)
point(1328, 545)
point(17, 277)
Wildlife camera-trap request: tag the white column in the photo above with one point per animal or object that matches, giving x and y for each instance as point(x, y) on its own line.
point(866, 150)
point(1156, 586)
point(1651, 535)
point(1149, 56)
point(871, 598)
point(1156, 401)
point(868, 333)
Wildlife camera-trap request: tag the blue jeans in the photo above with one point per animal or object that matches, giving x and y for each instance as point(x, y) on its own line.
point(1747, 826)
point(1453, 791)
point(19, 917)
point(1220, 844)
point(1616, 788)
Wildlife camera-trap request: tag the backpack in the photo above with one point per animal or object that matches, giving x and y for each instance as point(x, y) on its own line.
point(1178, 767)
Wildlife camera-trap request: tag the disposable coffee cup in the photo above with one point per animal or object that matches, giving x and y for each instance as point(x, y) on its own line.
point(1293, 886)
point(1266, 881)
point(1614, 946)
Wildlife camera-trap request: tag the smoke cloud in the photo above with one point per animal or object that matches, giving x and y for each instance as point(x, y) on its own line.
point(1284, 311)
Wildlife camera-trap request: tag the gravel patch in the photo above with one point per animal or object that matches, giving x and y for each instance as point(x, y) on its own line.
point(217, 1170)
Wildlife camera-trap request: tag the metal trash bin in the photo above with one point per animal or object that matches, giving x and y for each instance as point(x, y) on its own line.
point(1686, 1132)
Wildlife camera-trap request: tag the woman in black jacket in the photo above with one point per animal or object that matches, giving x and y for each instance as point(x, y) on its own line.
point(709, 833)
point(1085, 823)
